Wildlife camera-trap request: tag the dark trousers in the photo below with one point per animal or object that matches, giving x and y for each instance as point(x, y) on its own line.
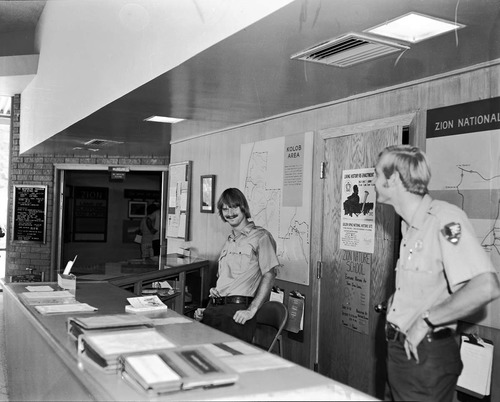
point(156, 247)
point(221, 317)
point(434, 378)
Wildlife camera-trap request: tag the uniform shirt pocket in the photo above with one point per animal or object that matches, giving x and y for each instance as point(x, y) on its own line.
point(240, 258)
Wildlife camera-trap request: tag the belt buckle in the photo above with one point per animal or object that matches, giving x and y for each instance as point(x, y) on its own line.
point(217, 301)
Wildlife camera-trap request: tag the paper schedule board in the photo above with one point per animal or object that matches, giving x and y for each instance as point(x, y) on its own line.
point(477, 358)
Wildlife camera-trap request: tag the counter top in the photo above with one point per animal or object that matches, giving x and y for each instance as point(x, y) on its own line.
point(40, 350)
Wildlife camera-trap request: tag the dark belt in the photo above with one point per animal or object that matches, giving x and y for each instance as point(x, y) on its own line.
point(392, 333)
point(232, 300)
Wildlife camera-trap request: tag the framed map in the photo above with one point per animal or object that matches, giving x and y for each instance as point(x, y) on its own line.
point(463, 147)
point(276, 178)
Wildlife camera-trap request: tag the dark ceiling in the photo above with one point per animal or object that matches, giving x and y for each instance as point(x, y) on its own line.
point(250, 75)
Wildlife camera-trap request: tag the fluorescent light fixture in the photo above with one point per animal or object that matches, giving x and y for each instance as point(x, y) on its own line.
point(414, 27)
point(163, 119)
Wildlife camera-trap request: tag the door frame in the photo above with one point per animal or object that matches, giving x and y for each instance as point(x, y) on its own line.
point(58, 205)
point(404, 120)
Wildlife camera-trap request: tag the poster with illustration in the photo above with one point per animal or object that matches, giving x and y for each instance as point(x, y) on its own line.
point(357, 222)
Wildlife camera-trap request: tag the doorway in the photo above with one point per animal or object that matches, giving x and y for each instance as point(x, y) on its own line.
point(97, 217)
point(354, 352)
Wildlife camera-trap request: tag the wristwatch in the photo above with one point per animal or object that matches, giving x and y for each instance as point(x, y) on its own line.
point(425, 317)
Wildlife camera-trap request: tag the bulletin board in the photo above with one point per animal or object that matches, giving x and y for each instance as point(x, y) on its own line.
point(179, 200)
point(30, 213)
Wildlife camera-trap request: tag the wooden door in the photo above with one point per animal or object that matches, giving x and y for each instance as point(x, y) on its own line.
point(344, 354)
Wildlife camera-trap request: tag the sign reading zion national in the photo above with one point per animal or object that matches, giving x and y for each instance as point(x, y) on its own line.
point(276, 177)
point(463, 147)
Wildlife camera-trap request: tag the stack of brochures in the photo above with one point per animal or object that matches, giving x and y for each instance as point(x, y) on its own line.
point(145, 304)
point(177, 369)
point(80, 325)
point(103, 348)
point(55, 302)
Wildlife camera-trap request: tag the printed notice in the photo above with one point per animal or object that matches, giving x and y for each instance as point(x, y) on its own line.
point(357, 223)
point(293, 173)
point(355, 281)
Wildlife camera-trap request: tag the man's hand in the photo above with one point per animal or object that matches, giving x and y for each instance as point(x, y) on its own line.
point(198, 314)
point(242, 316)
point(416, 333)
point(214, 293)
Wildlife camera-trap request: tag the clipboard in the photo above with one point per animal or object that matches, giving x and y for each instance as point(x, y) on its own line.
point(477, 358)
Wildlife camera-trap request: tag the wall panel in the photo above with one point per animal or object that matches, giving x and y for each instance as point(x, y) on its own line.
point(218, 153)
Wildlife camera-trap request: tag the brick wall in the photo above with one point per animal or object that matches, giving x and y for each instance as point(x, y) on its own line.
point(39, 170)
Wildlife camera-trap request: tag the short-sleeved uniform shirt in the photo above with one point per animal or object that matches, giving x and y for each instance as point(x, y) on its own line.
point(439, 253)
point(244, 259)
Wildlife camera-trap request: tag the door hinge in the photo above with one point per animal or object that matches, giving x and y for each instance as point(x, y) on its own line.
point(322, 170)
point(319, 269)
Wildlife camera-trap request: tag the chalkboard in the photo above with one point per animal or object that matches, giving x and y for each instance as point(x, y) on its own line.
point(30, 213)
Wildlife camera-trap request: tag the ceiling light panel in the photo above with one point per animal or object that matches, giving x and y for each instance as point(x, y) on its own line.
point(163, 119)
point(414, 27)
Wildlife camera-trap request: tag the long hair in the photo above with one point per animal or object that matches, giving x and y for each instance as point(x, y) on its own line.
point(233, 197)
point(411, 164)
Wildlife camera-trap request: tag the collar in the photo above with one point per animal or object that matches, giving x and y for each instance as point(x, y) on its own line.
point(245, 231)
point(421, 212)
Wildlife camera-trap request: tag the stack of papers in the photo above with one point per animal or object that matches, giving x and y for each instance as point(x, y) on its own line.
point(80, 325)
point(477, 358)
point(177, 369)
point(55, 302)
point(105, 347)
point(145, 304)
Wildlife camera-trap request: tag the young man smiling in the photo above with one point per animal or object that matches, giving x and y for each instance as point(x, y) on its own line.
point(246, 270)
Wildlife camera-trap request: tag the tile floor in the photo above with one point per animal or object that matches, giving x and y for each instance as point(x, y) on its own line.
point(4, 396)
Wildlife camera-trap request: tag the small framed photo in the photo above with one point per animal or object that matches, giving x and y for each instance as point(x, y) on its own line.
point(137, 209)
point(207, 191)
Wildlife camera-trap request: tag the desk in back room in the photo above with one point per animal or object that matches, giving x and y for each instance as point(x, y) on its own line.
point(134, 274)
point(43, 364)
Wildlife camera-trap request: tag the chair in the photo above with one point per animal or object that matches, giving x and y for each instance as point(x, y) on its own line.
point(271, 319)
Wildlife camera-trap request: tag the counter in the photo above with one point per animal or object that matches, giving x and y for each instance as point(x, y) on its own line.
point(43, 364)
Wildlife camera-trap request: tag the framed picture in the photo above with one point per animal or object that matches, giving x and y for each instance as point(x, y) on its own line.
point(207, 191)
point(137, 209)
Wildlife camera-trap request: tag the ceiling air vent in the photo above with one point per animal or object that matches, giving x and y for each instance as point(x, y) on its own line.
point(349, 49)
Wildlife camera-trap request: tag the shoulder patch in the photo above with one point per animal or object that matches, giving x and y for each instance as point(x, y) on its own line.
point(452, 232)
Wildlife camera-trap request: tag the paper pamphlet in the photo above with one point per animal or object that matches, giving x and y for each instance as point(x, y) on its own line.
point(477, 359)
point(111, 344)
point(65, 308)
point(39, 288)
point(151, 369)
point(69, 265)
point(145, 304)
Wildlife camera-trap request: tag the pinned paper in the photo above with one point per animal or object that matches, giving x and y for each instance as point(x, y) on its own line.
point(69, 265)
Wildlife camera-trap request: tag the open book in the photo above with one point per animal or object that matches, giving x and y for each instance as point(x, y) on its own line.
point(177, 369)
point(105, 347)
point(145, 304)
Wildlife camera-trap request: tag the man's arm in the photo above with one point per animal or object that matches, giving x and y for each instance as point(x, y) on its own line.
point(262, 295)
point(475, 294)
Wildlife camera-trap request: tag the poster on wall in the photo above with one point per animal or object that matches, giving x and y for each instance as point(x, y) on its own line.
point(179, 196)
point(355, 285)
point(90, 217)
point(357, 222)
point(463, 148)
point(276, 178)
